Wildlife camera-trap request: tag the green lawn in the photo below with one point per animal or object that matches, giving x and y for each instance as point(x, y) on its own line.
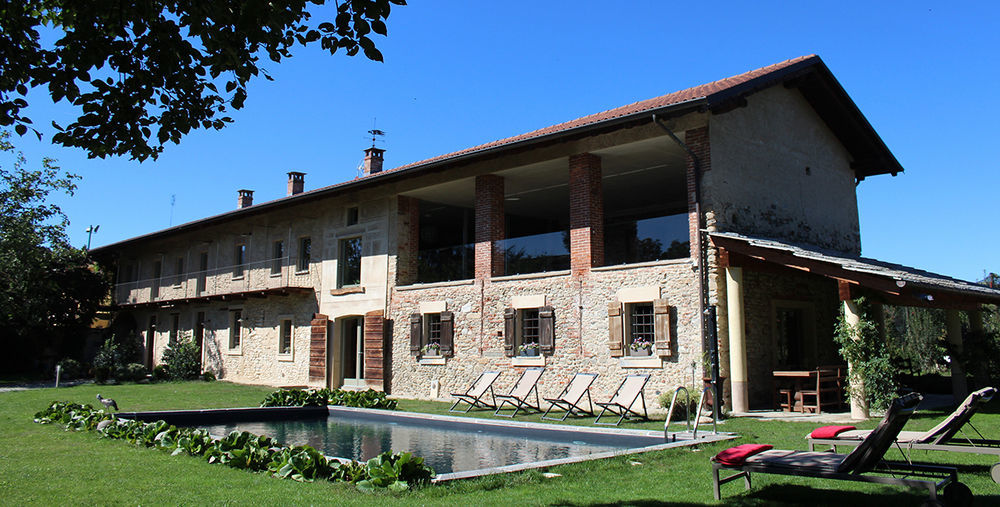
point(46, 465)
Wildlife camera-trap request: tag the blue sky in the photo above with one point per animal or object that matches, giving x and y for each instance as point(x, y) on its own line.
point(459, 74)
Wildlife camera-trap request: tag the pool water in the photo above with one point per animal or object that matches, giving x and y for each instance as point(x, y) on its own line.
point(446, 445)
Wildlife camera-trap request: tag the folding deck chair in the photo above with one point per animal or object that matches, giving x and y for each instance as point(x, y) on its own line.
point(939, 438)
point(519, 394)
point(476, 393)
point(621, 403)
point(570, 397)
point(865, 464)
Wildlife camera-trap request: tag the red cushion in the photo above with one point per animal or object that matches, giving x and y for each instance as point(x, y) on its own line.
point(737, 455)
point(830, 431)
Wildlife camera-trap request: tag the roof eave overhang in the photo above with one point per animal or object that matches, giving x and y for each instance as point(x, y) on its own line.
point(677, 109)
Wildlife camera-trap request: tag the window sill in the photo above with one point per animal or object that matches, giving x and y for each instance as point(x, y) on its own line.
point(527, 361)
point(235, 352)
point(343, 291)
point(275, 275)
point(529, 276)
point(240, 277)
point(646, 264)
point(302, 272)
point(431, 285)
point(286, 358)
point(432, 360)
point(640, 362)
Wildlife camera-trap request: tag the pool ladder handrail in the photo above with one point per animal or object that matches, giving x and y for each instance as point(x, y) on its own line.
point(687, 419)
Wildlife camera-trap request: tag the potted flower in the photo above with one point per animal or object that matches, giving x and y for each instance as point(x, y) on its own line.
point(641, 347)
point(528, 349)
point(431, 349)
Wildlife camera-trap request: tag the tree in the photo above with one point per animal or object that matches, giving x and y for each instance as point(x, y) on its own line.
point(132, 67)
point(49, 291)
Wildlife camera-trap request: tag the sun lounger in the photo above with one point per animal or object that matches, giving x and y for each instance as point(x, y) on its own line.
point(571, 396)
point(520, 393)
point(475, 396)
point(865, 464)
point(625, 397)
point(943, 437)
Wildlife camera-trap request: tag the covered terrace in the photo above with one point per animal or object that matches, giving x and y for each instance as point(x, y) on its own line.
point(851, 277)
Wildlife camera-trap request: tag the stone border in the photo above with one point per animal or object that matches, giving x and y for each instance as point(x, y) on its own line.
point(681, 439)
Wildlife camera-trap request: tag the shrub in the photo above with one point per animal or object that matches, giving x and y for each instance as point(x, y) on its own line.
point(160, 373)
point(133, 371)
point(872, 372)
point(106, 361)
point(322, 397)
point(684, 405)
point(183, 360)
point(242, 449)
point(296, 398)
point(208, 376)
point(71, 368)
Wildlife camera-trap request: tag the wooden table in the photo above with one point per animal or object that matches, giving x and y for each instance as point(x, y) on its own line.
point(797, 378)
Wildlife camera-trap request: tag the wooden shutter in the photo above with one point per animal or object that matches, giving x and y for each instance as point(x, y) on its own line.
point(509, 330)
point(416, 333)
point(615, 337)
point(664, 339)
point(447, 333)
point(547, 330)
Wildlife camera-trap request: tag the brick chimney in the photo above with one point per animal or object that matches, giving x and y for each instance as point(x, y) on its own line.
point(296, 182)
point(373, 160)
point(245, 198)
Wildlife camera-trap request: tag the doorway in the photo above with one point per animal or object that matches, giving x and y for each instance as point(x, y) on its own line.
point(352, 352)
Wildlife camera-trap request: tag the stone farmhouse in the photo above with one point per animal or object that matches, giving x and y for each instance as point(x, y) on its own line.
point(594, 245)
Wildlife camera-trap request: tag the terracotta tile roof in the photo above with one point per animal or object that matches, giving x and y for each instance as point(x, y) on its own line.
point(670, 99)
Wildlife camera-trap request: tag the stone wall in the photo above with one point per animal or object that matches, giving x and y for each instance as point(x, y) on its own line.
point(581, 330)
point(778, 171)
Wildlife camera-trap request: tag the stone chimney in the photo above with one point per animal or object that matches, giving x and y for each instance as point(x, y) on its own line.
point(296, 182)
point(245, 198)
point(373, 160)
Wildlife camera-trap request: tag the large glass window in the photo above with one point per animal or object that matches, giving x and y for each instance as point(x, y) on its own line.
point(350, 262)
point(645, 214)
point(446, 248)
point(536, 224)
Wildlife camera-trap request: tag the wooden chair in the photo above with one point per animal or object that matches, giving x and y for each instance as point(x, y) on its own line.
point(829, 390)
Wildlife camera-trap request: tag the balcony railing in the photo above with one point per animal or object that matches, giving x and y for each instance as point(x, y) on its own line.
point(265, 275)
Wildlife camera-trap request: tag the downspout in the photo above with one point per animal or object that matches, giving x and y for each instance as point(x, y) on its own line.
point(703, 300)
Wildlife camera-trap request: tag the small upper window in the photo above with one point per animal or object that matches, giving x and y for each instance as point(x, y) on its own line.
point(305, 254)
point(239, 259)
point(277, 257)
point(179, 271)
point(350, 262)
point(352, 215)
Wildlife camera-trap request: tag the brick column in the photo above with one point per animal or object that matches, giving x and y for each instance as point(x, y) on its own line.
point(586, 213)
point(489, 226)
point(317, 349)
point(697, 141)
point(408, 239)
point(375, 348)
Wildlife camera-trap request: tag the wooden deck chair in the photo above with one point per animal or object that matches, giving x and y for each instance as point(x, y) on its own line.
point(625, 397)
point(520, 393)
point(475, 395)
point(942, 437)
point(865, 464)
point(571, 396)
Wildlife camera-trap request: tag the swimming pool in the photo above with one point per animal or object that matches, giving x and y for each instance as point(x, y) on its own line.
point(456, 447)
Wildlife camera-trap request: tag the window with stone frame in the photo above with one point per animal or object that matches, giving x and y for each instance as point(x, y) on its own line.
point(277, 257)
point(175, 326)
point(235, 328)
point(305, 255)
point(349, 262)
point(633, 324)
point(179, 271)
point(239, 259)
point(529, 331)
point(432, 328)
point(285, 333)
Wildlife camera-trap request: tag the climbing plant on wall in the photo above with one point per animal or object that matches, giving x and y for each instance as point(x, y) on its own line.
point(872, 374)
